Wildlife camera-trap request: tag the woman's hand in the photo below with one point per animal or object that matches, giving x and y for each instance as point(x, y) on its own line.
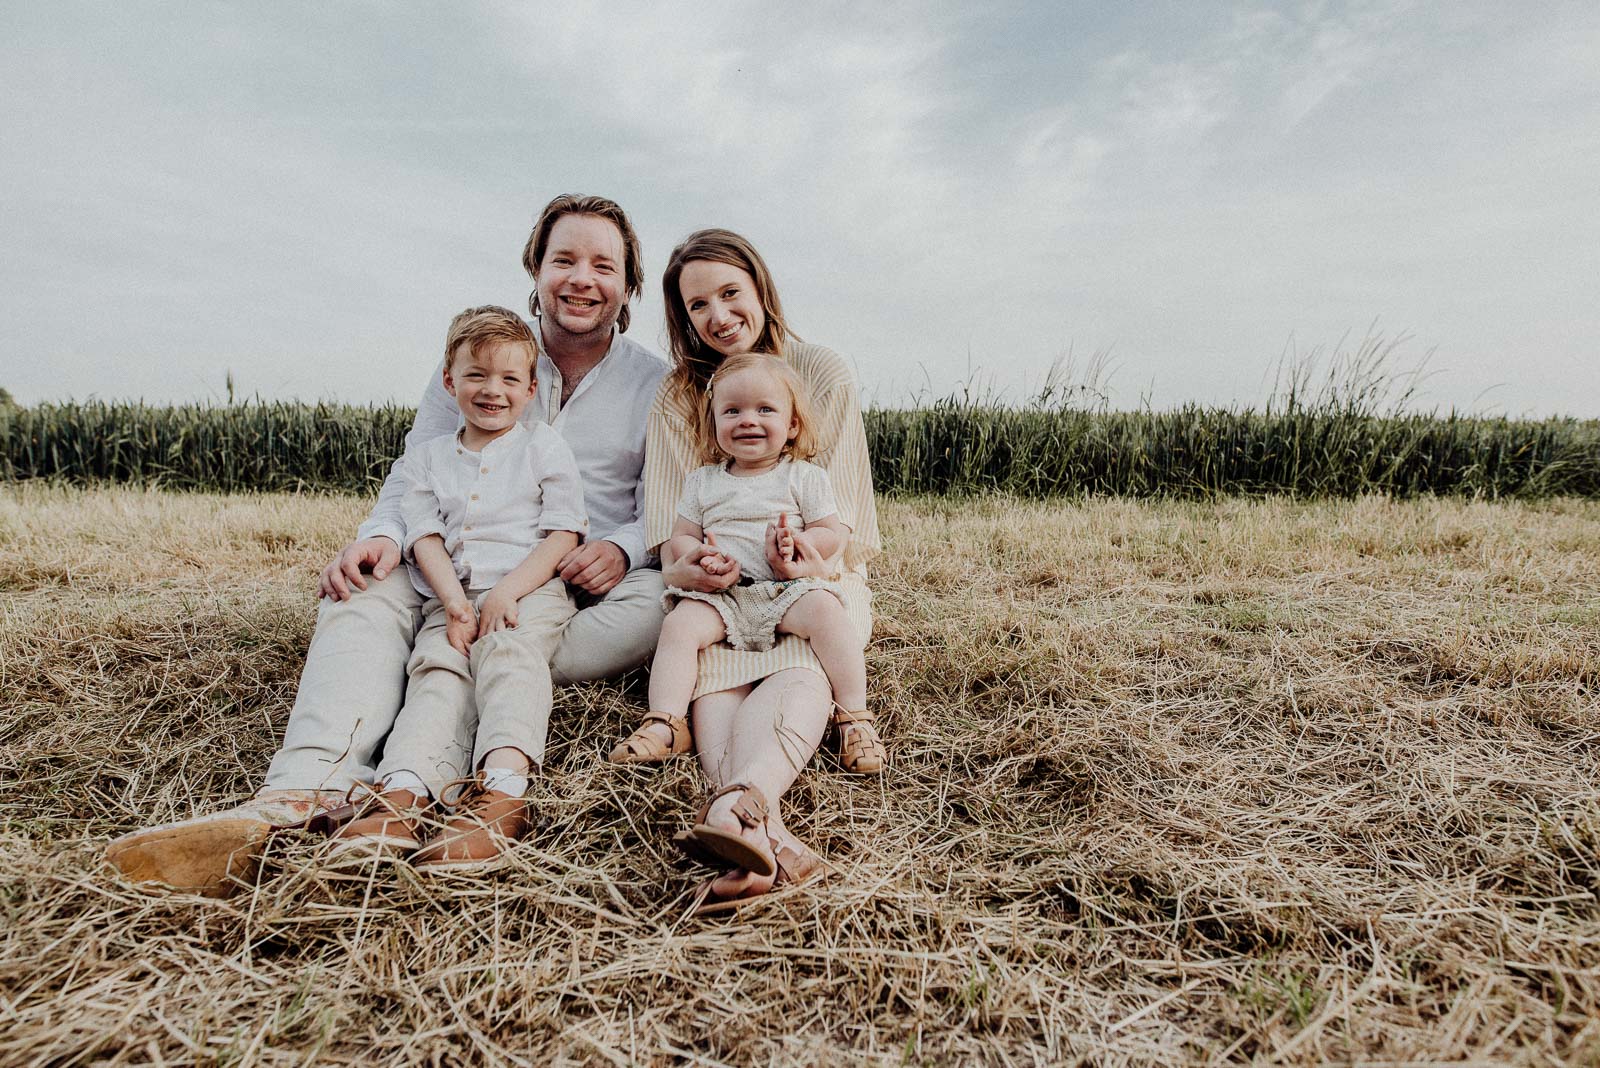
point(705, 569)
point(802, 559)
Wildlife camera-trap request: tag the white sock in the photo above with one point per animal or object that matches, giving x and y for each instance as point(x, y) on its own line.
point(505, 781)
point(405, 780)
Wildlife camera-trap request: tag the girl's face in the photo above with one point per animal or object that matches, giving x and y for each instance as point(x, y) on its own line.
point(723, 305)
point(754, 418)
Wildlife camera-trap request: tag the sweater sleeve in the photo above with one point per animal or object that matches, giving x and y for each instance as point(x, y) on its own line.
point(842, 442)
point(668, 459)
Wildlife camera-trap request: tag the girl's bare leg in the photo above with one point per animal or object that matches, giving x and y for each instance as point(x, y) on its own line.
point(688, 628)
point(762, 736)
point(820, 618)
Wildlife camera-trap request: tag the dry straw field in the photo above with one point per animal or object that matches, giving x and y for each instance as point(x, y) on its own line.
point(1174, 783)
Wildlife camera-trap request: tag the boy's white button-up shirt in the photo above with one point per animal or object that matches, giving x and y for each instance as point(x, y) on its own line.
point(491, 507)
point(603, 422)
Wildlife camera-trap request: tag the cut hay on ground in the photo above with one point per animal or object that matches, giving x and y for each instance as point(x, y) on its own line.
point(1173, 783)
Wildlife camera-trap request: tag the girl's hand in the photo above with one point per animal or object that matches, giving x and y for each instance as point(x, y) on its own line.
point(712, 560)
point(461, 626)
point(705, 570)
point(498, 612)
point(806, 561)
point(785, 538)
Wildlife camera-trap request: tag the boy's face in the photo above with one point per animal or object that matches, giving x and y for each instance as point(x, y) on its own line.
point(491, 386)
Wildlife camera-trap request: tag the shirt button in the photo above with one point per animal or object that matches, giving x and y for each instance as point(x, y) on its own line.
point(483, 470)
point(467, 527)
point(474, 496)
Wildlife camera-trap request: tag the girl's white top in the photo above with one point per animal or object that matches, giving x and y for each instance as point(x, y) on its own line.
point(491, 507)
point(737, 509)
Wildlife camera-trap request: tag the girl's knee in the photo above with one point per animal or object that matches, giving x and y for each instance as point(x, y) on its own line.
point(691, 621)
point(820, 607)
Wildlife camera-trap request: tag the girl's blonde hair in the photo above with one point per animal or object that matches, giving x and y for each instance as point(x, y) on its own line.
point(804, 444)
point(693, 361)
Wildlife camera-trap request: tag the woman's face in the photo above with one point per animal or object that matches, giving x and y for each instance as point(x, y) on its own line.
point(723, 305)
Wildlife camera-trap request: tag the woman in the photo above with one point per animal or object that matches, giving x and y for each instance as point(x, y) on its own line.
point(757, 717)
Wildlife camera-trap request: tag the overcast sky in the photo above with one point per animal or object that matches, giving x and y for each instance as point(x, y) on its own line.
point(304, 193)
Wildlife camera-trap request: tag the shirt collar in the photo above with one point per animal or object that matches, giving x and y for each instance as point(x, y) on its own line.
point(516, 431)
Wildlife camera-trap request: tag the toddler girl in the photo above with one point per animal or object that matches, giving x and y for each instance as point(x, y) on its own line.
point(757, 442)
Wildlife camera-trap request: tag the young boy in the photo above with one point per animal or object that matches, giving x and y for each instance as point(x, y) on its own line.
point(490, 511)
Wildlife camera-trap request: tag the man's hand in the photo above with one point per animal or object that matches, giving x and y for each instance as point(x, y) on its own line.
point(594, 567)
point(497, 612)
point(377, 555)
point(461, 626)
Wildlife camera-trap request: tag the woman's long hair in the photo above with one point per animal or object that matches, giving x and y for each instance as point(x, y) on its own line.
point(693, 361)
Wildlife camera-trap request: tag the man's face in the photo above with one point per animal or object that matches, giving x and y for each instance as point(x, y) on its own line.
point(580, 281)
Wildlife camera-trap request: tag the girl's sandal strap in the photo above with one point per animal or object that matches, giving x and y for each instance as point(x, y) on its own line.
point(641, 747)
point(861, 749)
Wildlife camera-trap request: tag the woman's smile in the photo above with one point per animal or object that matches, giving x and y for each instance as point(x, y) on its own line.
point(723, 305)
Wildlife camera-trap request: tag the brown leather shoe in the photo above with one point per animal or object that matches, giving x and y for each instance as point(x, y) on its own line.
point(387, 824)
point(483, 830)
point(211, 854)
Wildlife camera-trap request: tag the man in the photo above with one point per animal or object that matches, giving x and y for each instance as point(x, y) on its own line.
point(595, 389)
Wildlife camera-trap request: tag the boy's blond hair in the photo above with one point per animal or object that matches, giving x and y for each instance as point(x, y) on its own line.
point(804, 445)
point(480, 326)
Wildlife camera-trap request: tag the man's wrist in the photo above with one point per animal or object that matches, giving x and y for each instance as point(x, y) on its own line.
point(627, 560)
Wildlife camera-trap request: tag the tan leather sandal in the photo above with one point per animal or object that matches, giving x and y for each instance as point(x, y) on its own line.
point(715, 846)
point(794, 869)
point(859, 746)
point(641, 747)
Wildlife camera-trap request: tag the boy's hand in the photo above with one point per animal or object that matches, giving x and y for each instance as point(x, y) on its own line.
point(461, 626)
point(498, 612)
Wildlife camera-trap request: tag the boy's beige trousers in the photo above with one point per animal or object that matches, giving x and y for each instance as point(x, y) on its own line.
point(355, 681)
